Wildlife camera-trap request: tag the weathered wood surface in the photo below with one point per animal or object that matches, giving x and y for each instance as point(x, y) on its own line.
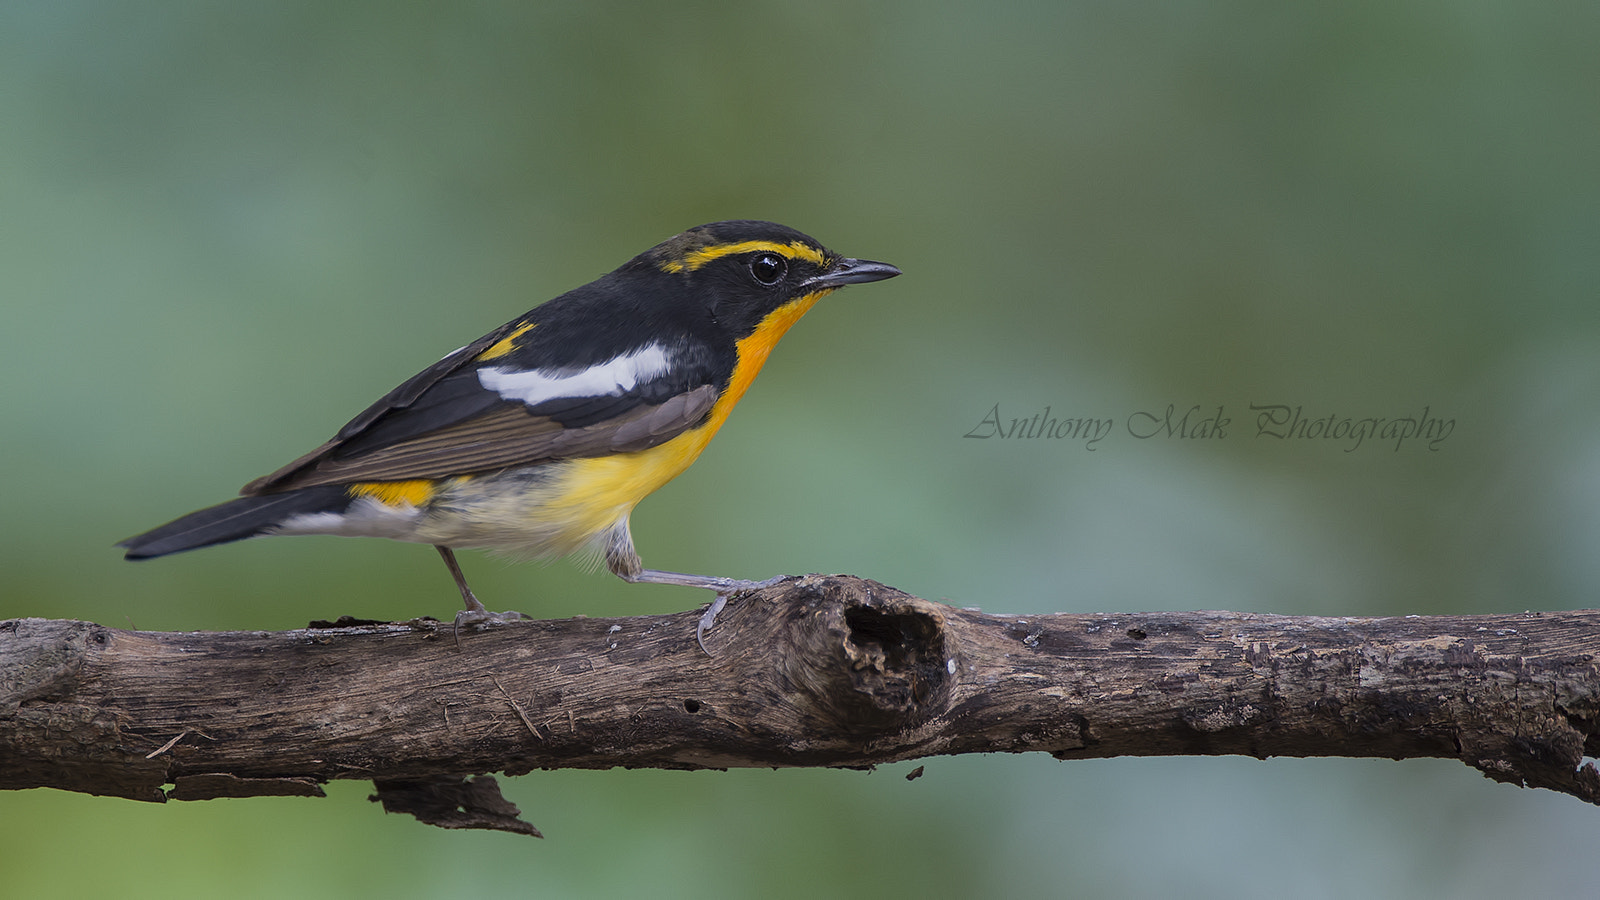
point(815, 671)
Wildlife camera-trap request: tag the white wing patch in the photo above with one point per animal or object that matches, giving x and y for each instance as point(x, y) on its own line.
point(365, 517)
point(608, 379)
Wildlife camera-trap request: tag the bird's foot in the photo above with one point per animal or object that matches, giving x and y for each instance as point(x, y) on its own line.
point(482, 618)
point(726, 588)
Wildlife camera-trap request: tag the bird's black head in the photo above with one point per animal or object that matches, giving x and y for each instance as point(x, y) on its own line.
point(747, 271)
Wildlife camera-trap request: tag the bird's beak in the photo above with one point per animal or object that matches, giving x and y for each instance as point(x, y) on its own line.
point(851, 271)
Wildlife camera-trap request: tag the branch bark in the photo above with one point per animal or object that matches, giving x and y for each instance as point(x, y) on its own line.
point(815, 671)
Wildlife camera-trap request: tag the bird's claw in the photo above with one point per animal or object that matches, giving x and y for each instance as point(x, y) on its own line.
point(707, 620)
point(710, 616)
point(482, 618)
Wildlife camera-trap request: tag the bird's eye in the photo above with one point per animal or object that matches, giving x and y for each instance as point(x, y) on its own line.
point(768, 268)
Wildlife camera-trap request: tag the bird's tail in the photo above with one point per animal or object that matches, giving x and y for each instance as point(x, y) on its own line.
point(234, 520)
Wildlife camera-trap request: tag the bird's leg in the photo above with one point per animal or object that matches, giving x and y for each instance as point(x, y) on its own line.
point(725, 588)
point(470, 599)
point(475, 613)
point(623, 560)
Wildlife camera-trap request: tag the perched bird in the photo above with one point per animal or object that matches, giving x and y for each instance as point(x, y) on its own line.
point(539, 438)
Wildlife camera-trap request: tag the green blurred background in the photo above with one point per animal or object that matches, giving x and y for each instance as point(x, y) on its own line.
point(225, 228)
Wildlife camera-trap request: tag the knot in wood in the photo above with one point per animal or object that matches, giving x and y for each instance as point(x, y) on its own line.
point(863, 658)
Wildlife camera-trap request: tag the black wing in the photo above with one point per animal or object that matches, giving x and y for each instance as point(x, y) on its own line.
point(445, 421)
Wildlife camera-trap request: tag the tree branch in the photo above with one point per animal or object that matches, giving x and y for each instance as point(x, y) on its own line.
point(815, 671)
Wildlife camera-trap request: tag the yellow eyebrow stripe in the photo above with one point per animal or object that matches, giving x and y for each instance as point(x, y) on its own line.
point(697, 258)
point(506, 344)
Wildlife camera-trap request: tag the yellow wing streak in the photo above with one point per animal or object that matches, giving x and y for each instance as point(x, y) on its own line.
point(506, 344)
